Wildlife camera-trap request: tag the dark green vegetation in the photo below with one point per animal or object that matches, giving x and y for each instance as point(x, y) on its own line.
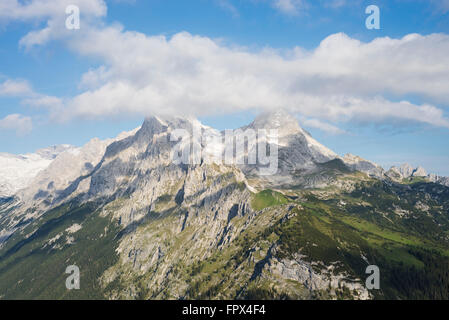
point(402, 228)
point(268, 198)
point(410, 268)
point(33, 267)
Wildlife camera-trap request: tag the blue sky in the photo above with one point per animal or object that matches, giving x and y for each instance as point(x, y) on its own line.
point(55, 99)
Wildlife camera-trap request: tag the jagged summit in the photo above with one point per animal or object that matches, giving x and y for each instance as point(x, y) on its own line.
point(285, 123)
point(53, 151)
point(298, 152)
point(419, 172)
point(292, 135)
point(405, 170)
point(151, 126)
point(158, 124)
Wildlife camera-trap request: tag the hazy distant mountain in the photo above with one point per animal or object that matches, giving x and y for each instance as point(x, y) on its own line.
point(17, 171)
point(362, 165)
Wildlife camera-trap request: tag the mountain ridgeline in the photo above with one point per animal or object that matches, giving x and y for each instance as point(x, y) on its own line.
point(139, 225)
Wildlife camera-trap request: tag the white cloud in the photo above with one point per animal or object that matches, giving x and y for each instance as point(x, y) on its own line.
point(23, 90)
point(47, 9)
point(343, 79)
point(294, 7)
point(19, 123)
point(318, 124)
point(335, 3)
point(442, 5)
point(228, 6)
point(291, 7)
point(53, 13)
point(42, 101)
point(15, 88)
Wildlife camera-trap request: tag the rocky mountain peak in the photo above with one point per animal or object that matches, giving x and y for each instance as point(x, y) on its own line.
point(157, 124)
point(407, 171)
point(419, 172)
point(358, 163)
point(285, 123)
point(152, 125)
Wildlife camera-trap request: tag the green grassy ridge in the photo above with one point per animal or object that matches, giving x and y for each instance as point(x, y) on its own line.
point(429, 225)
point(413, 180)
point(378, 228)
point(376, 201)
point(267, 198)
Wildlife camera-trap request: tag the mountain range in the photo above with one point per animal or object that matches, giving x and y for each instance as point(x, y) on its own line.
point(141, 226)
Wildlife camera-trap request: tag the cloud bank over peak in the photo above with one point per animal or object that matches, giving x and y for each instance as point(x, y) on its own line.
point(342, 80)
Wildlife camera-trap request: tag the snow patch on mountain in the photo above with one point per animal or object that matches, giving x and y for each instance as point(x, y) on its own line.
point(17, 171)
